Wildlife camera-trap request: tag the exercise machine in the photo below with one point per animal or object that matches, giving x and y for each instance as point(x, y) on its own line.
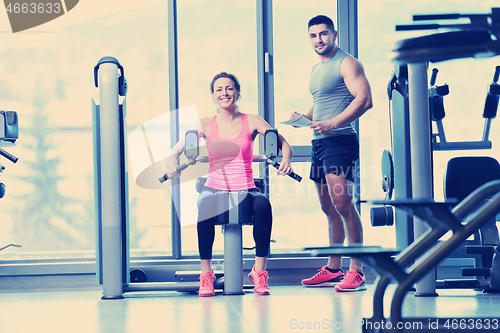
point(407, 169)
point(110, 178)
point(111, 191)
point(437, 111)
point(464, 174)
point(408, 266)
point(396, 164)
point(9, 133)
point(398, 95)
point(478, 170)
point(232, 209)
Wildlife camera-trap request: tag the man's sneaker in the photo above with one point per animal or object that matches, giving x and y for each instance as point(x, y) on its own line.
point(324, 278)
point(259, 278)
point(353, 281)
point(207, 281)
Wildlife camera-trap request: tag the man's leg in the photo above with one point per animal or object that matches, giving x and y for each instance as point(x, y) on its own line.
point(331, 274)
point(340, 191)
point(336, 234)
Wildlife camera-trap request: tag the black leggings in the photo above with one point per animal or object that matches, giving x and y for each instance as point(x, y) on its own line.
point(263, 220)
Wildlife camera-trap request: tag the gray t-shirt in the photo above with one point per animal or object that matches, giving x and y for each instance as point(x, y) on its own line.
point(330, 94)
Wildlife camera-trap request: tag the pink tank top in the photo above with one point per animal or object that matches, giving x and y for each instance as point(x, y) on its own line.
point(230, 160)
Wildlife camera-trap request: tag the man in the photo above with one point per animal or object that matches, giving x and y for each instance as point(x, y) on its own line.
point(341, 94)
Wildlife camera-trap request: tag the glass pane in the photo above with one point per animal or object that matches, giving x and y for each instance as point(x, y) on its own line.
point(214, 36)
point(148, 107)
point(298, 220)
point(467, 78)
point(47, 77)
point(297, 217)
point(293, 61)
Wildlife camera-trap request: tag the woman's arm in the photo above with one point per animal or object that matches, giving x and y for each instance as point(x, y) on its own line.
point(178, 149)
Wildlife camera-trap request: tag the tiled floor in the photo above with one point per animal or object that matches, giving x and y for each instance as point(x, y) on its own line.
point(287, 309)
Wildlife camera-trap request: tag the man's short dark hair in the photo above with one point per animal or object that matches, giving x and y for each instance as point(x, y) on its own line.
point(321, 19)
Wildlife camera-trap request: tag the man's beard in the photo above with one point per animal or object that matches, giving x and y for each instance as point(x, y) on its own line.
point(325, 50)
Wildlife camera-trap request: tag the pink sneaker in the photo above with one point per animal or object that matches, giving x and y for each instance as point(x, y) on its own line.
point(259, 278)
point(324, 278)
point(353, 281)
point(207, 280)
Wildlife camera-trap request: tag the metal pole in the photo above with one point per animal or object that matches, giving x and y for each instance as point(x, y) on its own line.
point(233, 259)
point(110, 182)
point(421, 155)
point(233, 250)
point(401, 156)
point(265, 77)
point(347, 26)
point(173, 75)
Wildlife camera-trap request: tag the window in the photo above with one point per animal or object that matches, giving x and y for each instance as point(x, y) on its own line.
point(298, 221)
point(214, 37)
point(293, 61)
point(47, 77)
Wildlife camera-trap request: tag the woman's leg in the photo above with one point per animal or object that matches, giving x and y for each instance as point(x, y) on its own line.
point(206, 228)
point(206, 236)
point(263, 219)
point(206, 265)
point(260, 263)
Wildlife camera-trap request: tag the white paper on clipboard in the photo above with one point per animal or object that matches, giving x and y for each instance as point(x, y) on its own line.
point(298, 121)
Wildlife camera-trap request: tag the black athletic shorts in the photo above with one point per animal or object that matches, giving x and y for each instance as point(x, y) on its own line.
point(335, 154)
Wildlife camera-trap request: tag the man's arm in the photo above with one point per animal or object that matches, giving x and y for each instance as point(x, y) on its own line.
point(356, 82)
point(309, 114)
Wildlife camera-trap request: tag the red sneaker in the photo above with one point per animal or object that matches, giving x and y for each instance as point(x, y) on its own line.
point(259, 278)
point(353, 281)
point(207, 281)
point(324, 278)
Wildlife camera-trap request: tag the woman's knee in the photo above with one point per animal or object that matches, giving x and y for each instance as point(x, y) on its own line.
point(261, 204)
point(206, 206)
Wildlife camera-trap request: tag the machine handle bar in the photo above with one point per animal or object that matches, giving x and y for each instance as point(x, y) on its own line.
point(180, 168)
point(277, 165)
point(8, 156)
point(431, 26)
point(434, 76)
point(477, 21)
point(256, 159)
point(438, 17)
point(497, 74)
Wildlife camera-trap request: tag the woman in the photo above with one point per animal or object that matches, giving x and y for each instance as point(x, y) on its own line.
point(231, 170)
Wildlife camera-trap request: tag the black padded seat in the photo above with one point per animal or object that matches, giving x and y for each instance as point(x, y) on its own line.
point(464, 174)
point(446, 46)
